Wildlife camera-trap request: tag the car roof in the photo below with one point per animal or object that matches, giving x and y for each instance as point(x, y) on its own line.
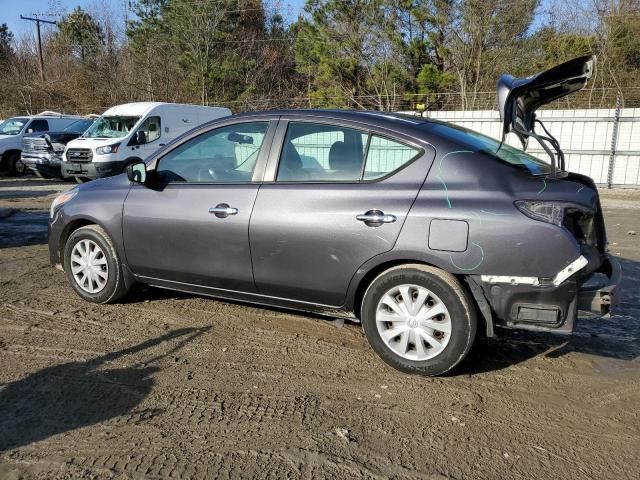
point(46, 117)
point(381, 119)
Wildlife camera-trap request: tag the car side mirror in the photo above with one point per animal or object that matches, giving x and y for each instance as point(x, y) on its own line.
point(137, 172)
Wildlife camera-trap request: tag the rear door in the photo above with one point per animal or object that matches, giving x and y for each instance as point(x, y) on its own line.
point(338, 196)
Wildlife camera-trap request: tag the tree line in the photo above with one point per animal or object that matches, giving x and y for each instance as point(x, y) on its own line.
point(374, 54)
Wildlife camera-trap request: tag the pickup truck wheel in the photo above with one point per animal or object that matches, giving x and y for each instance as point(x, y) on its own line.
point(419, 319)
point(92, 265)
point(16, 167)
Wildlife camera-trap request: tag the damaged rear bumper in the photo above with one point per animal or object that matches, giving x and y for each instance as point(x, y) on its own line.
point(551, 304)
point(600, 293)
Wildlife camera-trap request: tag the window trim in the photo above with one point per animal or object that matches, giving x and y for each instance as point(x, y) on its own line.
point(281, 135)
point(258, 168)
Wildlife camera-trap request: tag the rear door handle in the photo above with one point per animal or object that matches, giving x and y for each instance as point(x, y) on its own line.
point(223, 210)
point(375, 218)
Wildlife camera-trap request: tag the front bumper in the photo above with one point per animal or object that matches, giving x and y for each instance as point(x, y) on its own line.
point(91, 169)
point(49, 165)
point(601, 292)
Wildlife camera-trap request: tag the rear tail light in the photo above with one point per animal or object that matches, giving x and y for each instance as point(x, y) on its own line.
point(550, 211)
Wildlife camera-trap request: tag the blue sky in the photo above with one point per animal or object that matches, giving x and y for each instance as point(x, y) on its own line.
point(10, 10)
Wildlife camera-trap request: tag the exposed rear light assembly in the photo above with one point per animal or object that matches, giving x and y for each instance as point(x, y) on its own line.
point(551, 211)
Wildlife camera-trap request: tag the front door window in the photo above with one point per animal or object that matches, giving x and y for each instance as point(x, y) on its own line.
point(224, 155)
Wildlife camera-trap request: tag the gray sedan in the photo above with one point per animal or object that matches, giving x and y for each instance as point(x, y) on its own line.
point(428, 233)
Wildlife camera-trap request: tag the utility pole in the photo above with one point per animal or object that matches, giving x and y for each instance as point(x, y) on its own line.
point(38, 22)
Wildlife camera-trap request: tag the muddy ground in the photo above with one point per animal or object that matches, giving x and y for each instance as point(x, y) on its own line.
point(169, 385)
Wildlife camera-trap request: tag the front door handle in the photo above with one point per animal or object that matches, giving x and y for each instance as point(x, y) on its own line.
point(375, 218)
point(223, 210)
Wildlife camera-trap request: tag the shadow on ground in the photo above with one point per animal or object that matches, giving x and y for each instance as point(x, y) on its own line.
point(65, 397)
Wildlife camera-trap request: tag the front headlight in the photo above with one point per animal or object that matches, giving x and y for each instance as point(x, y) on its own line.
point(108, 149)
point(61, 200)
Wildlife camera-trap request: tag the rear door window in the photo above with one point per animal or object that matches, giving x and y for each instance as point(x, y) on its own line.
point(385, 156)
point(330, 153)
point(326, 153)
point(39, 125)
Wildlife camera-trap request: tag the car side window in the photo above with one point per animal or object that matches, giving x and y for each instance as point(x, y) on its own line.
point(318, 152)
point(38, 126)
point(385, 156)
point(223, 155)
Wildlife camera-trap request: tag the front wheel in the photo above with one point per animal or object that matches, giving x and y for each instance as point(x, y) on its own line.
point(419, 319)
point(16, 165)
point(92, 265)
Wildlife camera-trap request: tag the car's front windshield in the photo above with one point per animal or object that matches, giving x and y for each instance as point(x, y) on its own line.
point(481, 143)
point(79, 127)
point(111, 127)
point(13, 126)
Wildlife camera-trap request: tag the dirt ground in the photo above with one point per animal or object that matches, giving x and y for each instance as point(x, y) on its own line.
point(170, 385)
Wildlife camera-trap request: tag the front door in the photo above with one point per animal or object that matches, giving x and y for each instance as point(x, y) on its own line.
point(191, 225)
point(146, 139)
point(339, 198)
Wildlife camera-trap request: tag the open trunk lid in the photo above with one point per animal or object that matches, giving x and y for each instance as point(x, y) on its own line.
point(519, 98)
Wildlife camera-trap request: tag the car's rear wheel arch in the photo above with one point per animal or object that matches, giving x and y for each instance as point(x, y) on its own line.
point(373, 273)
point(452, 325)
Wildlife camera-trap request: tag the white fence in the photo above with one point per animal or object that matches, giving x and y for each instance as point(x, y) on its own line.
point(601, 143)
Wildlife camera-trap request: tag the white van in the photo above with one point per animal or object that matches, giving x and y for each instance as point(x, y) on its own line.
point(129, 133)
point(13, 129)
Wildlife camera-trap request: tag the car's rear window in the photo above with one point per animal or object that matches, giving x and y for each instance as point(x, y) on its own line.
point(481, 143)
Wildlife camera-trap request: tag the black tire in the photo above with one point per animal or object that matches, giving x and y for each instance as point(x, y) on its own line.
point(115, 287)
point(16, 167)
point(448, 289)
point(81, 180)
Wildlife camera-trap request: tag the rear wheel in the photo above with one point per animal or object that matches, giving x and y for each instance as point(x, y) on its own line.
point(419, 319)
point(92, 265)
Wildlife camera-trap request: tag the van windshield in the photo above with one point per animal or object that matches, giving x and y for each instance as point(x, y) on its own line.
point(13, 126)
point(478, 142)
point(111, 127)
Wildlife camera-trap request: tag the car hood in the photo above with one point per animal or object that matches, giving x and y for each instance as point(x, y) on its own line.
point(50, 134)
point(85, 142)
point(519, 98)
